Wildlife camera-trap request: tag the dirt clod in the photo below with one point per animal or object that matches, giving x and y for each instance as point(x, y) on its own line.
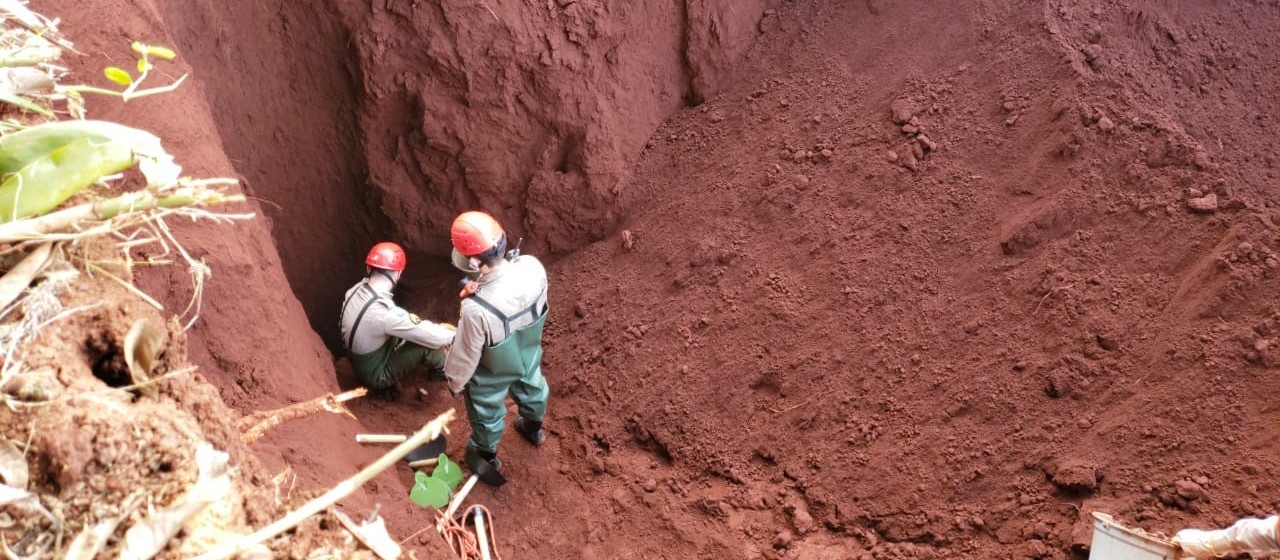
point(1074, 475)
point(901, 111)
point(1205, 204)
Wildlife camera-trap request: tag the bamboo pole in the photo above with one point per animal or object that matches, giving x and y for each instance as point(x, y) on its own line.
point(140, 201)
point(430, 431)
point(380, 438)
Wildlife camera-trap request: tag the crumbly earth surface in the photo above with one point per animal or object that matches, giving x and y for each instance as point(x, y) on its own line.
point(917, 282)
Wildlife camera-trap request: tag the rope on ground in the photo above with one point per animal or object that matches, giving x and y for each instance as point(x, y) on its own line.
point(462, 541)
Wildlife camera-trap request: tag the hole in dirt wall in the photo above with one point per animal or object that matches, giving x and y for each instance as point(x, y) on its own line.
point(279, 79)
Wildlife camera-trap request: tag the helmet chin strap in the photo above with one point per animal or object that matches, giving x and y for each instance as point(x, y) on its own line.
point(388, 275)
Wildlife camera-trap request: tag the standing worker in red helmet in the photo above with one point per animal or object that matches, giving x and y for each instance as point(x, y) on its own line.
point(383, 341)
point(498, 347)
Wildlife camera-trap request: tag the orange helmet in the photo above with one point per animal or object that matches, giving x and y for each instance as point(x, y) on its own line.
point(387, 256)
point(477, 234)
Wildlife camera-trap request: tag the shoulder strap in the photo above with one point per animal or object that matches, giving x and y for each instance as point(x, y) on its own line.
point(506, 321)
point(351, 336)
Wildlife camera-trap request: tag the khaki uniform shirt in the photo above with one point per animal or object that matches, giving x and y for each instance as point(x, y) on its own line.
point(511, 288)
point(384, 320)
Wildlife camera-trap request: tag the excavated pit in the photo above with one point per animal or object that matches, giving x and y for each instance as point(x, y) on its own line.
point(906, 282)
point(353, 123)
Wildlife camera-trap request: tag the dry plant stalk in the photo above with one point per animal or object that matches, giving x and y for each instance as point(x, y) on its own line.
point(430, 431)
point(19, 277)
point(255, 425)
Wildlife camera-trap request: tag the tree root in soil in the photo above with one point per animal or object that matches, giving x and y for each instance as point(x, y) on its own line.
point(255, 425)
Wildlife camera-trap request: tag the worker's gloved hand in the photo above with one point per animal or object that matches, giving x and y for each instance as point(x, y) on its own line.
point(1246, 535)
point(1201, 544)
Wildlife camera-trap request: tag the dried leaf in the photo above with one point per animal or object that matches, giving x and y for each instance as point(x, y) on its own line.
point(9, 494)
point(25, 80)
point(141, 345)
point(13, 466)
point(19, 11)
point(14, 282)
point(90, 541)
point(148, 537)
point(373, 534)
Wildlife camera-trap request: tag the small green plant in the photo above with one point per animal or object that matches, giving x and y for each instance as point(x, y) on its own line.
point(132, 84)
point(437, 489)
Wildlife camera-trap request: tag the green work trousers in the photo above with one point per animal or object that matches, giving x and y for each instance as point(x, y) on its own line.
point(511, 367)
point(383, 368)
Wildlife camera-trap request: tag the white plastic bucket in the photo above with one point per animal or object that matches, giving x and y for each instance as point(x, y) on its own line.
point(1113, 541)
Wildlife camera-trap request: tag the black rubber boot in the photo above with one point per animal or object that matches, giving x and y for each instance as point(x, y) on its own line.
point(483, 460)
point(532, 431)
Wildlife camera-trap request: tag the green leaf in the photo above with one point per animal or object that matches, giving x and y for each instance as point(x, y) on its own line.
point(153, 50)
point(50, 180)
point(448, 472)
point(118, 75)
point(18, 149)
point(25, 103)
point(431, 492)
point(161, 52)
point(144, 66)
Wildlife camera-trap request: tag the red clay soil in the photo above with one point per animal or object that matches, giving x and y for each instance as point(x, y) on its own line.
point(252, 341)
point(833, 338)
point(920, 282)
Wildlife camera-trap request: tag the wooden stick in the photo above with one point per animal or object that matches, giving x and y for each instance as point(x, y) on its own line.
point(380, 438)
point(462, 495)
point(481, 535)
point(424, 463)
point(259, 422)
point(430, 431)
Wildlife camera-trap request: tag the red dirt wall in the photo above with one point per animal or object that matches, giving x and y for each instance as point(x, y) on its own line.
point(253, 341)
point(280, 77)
point(533, 111)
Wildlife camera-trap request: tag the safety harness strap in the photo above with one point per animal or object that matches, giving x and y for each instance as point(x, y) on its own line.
point(506, 321)
point(351, 337)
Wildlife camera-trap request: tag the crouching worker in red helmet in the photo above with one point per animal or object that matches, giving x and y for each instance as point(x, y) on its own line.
point(383, 341)
point(498, 347)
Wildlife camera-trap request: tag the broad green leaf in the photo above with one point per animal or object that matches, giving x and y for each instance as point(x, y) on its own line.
point(25, 103)
point(50, 180)
point(144, 66)
point(18, 149)
point(118, 75)
point(432, 492)
point(448, 472)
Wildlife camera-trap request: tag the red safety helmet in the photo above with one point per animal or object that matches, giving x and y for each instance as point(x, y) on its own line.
point(476, 233)
point(387, 256)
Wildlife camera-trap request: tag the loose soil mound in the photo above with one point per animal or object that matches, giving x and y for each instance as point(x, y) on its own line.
point(929, 285)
